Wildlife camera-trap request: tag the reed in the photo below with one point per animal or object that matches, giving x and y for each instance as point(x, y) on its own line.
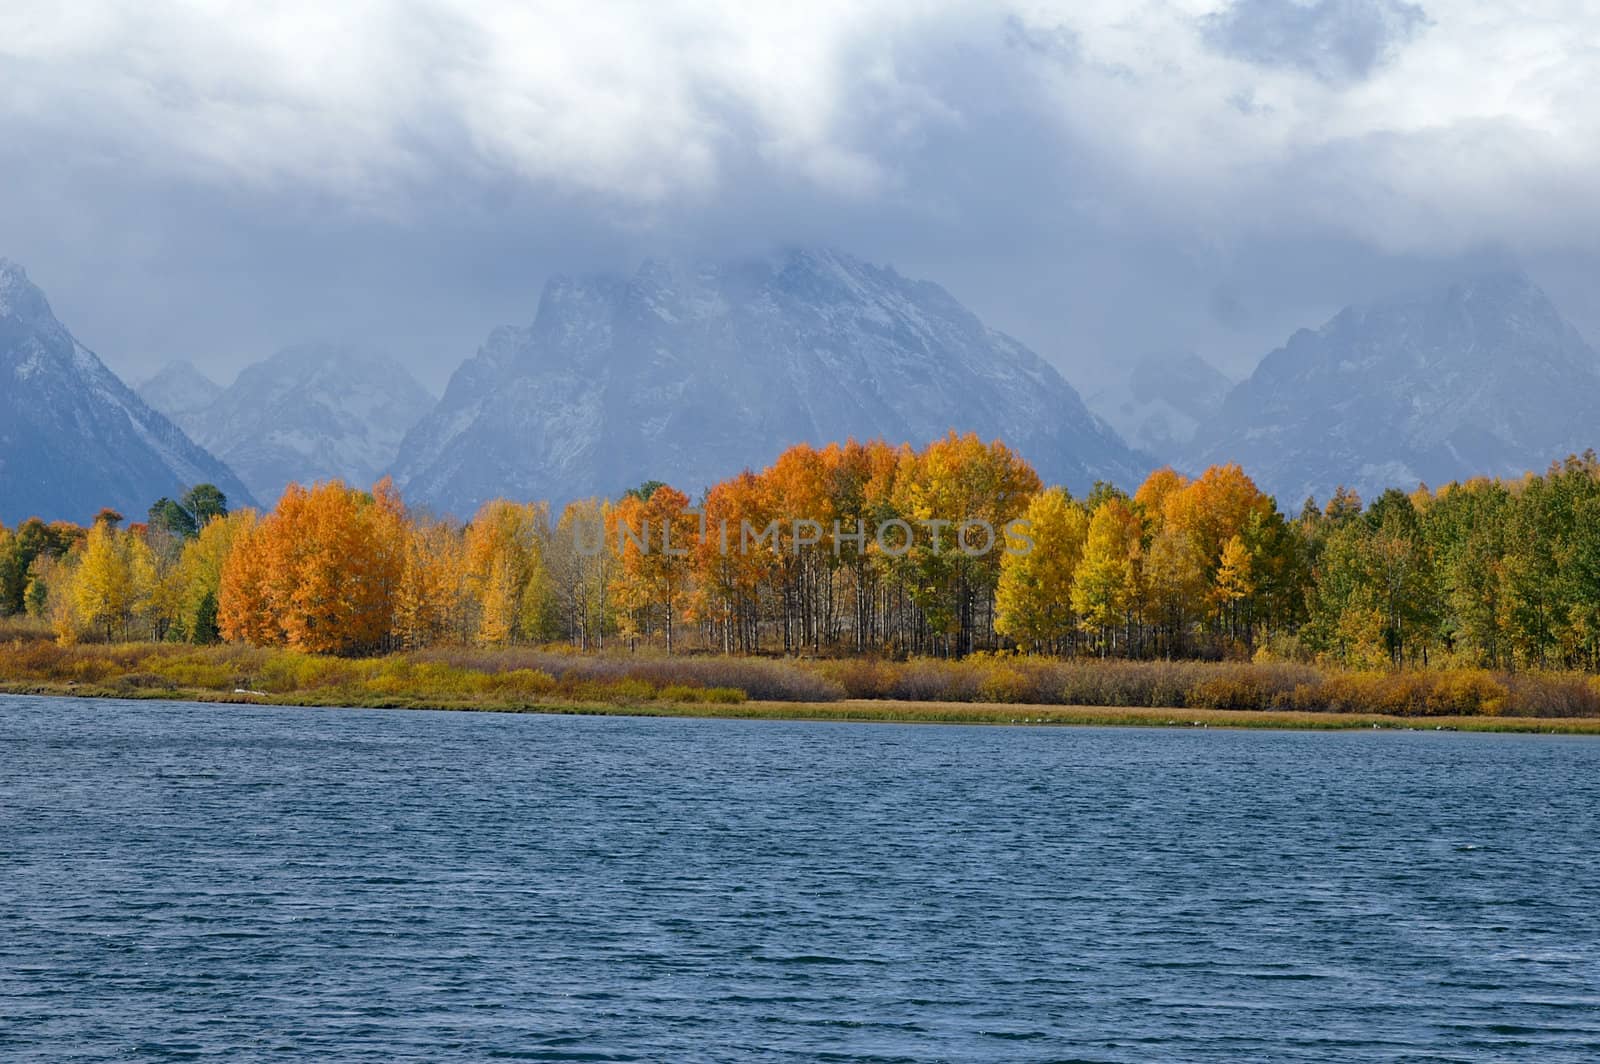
point(977, 688)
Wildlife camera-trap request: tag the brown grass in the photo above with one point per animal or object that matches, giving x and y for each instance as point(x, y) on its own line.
point(534, 678)
point(25, 629)
point(1257, 687)
point(758, 678)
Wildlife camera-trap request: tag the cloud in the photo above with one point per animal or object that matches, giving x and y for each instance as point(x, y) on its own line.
point(1473, 131)
point(639, 101)
point(649, 109)
point(1334, 40)
point(410, 170)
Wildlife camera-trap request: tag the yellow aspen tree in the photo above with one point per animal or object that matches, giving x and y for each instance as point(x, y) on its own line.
point(340, 553)
point(502, 601)
point(1233, 581)
point(1175, 585)
point(318, 573)
point(1107, 581)
point(103, 586)
point(657, 537)
point(317, 561)
point(958, 483)
point(728, 579)
point(241, 595)
point(1157, 488)
point(625, 530)
point(245, 611)
point(539, 617)
point(1034, 597)
point(1221, 504)
point(155, 592)
point(581, 564)
point(199, 572)
point(51, 595)
point(502, 544)
point(427, 597)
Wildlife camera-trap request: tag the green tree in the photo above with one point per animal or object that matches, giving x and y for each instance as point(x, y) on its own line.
point(167, 517)
point(1465, 525)
point(1376, 596)
point(644, 491)
point(205, 629)
point(205, 502)
point(13, 573)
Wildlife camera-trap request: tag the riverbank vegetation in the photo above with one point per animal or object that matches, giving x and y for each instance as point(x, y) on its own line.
point(1488, 578)
point(530, 678)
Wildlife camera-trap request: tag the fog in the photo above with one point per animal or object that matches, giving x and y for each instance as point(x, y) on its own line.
point(1101, 184)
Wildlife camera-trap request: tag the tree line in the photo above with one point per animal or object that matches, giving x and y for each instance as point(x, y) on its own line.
point(1488, 572)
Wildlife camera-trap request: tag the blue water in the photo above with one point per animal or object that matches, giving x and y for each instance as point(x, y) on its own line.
point(187, 882)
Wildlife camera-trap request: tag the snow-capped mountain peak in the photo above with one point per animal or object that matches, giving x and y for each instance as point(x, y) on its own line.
point(312, 412)
point(74, 437)
point(181, 392)
point(1483, 377)
point(688, 372)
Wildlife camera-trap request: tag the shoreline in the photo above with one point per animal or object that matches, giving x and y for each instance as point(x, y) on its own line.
point(865, 711)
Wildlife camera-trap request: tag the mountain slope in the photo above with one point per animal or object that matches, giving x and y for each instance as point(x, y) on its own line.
point(181, 392)
point(1483, 378)
point(73, 437)
point(689, 373)
point(313, 412)
point(1162, 402)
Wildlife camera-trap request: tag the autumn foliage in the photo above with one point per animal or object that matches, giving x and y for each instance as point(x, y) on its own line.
point(319, 573)
point(857, 549)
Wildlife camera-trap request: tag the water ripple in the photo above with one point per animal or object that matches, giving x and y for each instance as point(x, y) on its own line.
point(252, 883)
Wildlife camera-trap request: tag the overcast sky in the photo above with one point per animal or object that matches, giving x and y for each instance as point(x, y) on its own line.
point(1101, 179)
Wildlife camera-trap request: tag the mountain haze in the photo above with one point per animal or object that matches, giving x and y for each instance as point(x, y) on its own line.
point(1162, 401)
point(181, 392)
point(689, 373)
point(1482, 378)
point(308, 413)
point(73, 436)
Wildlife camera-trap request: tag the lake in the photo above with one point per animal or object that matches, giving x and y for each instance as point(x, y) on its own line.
point(186, 882)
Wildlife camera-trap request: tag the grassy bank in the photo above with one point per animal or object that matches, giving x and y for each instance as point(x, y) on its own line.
point(873, 711)
point(1004, 690)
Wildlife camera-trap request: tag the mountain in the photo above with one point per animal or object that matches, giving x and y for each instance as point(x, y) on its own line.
point(1162, 401)
point(181, 392)
point(73, 437)
point(689, 373)
point(1484, 377)
point(312, 412)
